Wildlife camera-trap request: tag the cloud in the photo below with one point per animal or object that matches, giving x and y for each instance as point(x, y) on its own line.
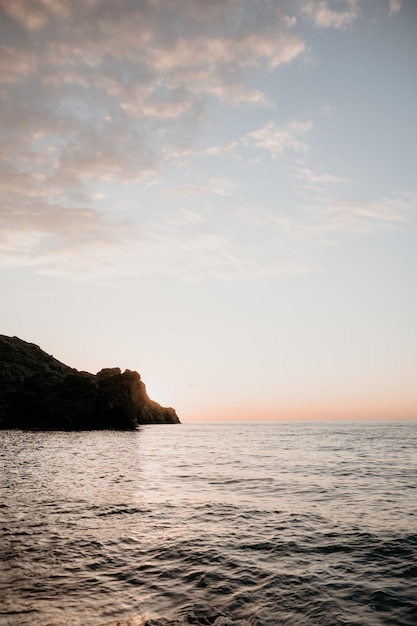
point(15, 64)
point(215, 186)
point(216, 150)
point(85, 244)
point(309, 176)
point(335, 215)
point(394, 6)
point(44, 236)
point(33, 16)
point(323, 16)
point(103, 91)
point(102, 103)
point(275, 139)
point(251, 50)
point(153, 58)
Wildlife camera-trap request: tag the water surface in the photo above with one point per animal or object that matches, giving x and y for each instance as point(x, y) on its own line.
point(260, 524)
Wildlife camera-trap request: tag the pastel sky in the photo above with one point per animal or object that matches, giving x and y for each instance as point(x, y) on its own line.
point(220, 194)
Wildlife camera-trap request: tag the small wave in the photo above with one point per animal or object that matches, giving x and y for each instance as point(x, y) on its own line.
point(148, 620)
point(122, 510)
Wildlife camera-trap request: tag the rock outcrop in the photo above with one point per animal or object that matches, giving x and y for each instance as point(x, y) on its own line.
point(39, 392)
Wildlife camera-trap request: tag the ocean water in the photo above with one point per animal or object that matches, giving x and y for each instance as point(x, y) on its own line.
point(225, 524)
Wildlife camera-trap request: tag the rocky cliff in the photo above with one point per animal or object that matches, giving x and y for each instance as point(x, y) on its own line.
point(37, 391)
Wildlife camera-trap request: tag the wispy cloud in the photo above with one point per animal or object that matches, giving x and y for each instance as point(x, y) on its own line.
point(324, 16)
point(215, 186)
point(335, 215)
point(304, 173)
point(216, 150)
point(44, 236)
point(191, 244)
point(275, 139)
point(339, 14)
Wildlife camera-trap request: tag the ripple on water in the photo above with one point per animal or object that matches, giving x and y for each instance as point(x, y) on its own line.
point(210, 524)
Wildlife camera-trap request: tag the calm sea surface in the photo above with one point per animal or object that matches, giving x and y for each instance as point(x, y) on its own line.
point(260, 524)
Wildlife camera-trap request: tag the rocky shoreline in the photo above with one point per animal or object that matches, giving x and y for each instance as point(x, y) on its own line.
point(39, 392)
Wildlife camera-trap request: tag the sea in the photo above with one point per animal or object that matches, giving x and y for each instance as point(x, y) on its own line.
point(229, 524)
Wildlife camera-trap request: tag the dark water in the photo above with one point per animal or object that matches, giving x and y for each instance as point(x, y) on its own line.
point(260, 524)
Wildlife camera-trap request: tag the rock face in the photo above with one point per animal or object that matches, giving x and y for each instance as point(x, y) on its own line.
point(39, 392)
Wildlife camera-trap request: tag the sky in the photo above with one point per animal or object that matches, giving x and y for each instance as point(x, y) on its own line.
point(219, 194)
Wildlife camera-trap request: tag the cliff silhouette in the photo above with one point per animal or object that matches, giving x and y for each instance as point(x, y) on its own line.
point(39, 392)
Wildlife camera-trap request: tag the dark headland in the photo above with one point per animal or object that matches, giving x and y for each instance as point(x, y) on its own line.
point(39, 392)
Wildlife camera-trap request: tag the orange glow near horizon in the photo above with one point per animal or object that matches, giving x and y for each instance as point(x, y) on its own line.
point(322, 412)
point(194, 404)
